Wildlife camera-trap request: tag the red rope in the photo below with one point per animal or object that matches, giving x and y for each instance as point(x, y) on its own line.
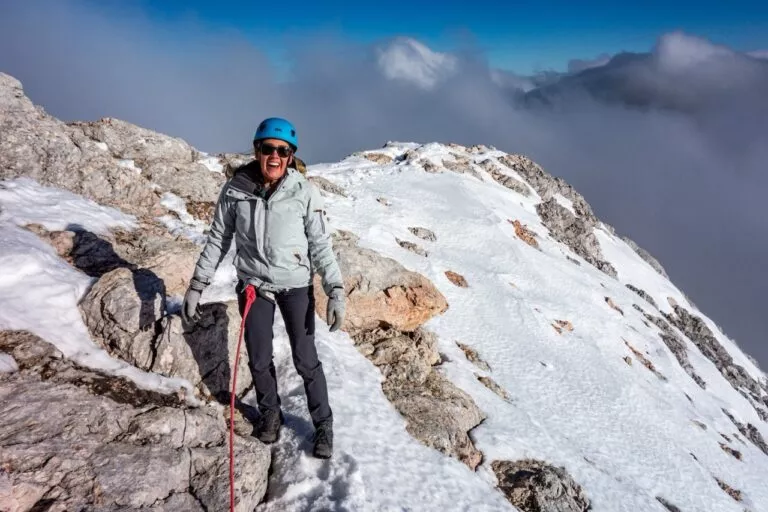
point(250, 296)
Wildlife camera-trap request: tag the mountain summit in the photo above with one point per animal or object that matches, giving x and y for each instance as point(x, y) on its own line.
point(504, 348)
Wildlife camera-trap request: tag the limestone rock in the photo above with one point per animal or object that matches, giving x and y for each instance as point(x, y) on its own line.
point(380, 291)
point(675, 344)
point(423, 233)
point(125, 313)
point(643, 294)
point(438, 413)
point(473, 357)
point(92, 441)
point(535, 486)
point(697, 331)
point(328, 186)
point(574, 232)
point(504, 179)
point(410, 246)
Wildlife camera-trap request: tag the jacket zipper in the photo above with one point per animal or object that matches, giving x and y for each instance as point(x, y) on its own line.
point(322, 221)
point(266, 214)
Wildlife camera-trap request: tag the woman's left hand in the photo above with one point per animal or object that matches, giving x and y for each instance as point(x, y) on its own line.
point(336, 308)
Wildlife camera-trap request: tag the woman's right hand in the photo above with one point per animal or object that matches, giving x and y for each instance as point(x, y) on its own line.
point(189, 311)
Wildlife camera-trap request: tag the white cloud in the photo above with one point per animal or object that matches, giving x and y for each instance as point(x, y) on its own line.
point(677, 51)
point(409, 60)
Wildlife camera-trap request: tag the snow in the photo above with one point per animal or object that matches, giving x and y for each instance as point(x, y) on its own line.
point(213, 164)
point(8, 363)
point(565, 202)
point(625, 435)
point(39, 291)
point(24, 201)
point(185, 224)
point(127, 163)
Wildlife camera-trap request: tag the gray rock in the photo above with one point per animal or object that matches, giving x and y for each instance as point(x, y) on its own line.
point(493, 386)
point(643, 294)
point(750, 432)
point(547, 185)
point(439, 414)
point(509, 182)
point(675, 344)
point(73, 438)
point(574, 232)
point(128, 141)
point(669, 506)
point(473, 357)
point(85, 158)
point(423, 233)
point(535, 486)
point(125, 313)
point(462, 165)
point(697, 331)
point(328, 186)
point(410, 246)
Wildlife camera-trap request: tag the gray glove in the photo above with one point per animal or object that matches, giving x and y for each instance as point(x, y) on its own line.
point(336, 307)
point(189, 310)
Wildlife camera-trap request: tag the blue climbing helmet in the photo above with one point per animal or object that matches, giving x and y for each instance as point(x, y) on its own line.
point(277, 128)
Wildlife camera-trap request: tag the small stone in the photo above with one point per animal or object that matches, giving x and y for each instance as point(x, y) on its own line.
point(473, 357)
point(524, 234)
point(423, 233)
point(535, 486)
point(613, 305)
point(456, 279)
point(410, 246)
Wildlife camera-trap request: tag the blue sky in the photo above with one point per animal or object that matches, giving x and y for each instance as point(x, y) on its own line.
point(521, 36)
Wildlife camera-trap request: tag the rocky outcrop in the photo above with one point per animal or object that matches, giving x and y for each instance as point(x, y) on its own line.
point(439, 414)
point(535, 486)
point(575, 232)
point(675, 344)
point(380, 292)
point(328, 186)
point(492, 168)
point(547, 185)
point(750, 432)
point(105, 444)
point(461, 165)
point(109, 161)
point(643, 294)
point(125, 313)
point(697, 331)
point(149, 247)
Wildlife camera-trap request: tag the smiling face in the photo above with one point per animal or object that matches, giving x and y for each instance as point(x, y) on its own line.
point(274, 157)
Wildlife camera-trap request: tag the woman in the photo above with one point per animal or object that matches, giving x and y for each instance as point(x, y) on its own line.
point(277, 219)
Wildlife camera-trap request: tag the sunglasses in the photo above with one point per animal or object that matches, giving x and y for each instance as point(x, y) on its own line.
point(268, 149)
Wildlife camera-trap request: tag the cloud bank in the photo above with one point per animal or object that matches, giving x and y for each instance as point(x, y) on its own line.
point(669, 146)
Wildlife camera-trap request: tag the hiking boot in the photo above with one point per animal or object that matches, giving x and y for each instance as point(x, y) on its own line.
point(323, 440)
point(268, 425)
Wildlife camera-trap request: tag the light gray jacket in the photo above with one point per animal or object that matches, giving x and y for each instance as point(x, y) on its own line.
point(280, 241)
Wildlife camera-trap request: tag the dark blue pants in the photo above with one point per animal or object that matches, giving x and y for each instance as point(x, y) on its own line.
point(297, 306)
